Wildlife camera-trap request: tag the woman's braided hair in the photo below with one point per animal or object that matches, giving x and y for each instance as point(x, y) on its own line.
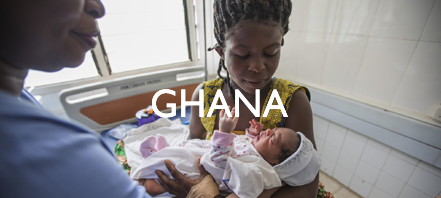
point(227, 13)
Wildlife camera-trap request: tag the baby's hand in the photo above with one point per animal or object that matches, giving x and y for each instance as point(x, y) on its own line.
point(227, 124)
point(255, 128)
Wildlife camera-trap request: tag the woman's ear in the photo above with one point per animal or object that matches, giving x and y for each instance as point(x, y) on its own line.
point(283, 41)
point(220, 51)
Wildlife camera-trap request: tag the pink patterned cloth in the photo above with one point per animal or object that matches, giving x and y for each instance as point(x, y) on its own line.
point(153, 144)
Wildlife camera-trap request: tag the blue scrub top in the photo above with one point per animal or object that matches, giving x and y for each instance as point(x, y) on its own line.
point(46, 156)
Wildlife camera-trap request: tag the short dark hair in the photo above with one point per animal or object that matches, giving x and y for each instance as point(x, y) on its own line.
point(287, 151)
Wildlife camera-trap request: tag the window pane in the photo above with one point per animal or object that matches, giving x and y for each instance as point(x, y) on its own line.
point(144, 33)
point(85, 70)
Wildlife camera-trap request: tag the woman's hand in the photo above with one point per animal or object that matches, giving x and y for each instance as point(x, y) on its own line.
point(255, 128)
point(182, 185)
point(227, 124)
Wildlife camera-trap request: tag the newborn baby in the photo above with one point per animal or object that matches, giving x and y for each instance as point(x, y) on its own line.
point(241, 164)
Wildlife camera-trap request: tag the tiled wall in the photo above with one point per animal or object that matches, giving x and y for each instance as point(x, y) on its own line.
point(386, 53)
point(370, 168)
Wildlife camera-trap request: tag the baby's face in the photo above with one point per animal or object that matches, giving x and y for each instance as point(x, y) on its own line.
point(269, 143)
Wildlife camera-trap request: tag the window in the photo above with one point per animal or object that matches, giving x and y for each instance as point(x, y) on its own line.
point(137, 36)
point(139, 33)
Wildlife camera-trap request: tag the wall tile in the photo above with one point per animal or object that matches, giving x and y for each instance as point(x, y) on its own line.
point(367, 172)
point(327, 166)
point(379, 145)
point(355, 16)
point(348, 161)
point(398, 168)
point(321, 15)
point(432, 169)
point(354, 144)
point(320, 143)
point(389, 184)
point(411, 192)
point(432, 29)
point(312, 57)
point(425, 182)
point(331, 152)
point(343, 61)
point(383, 67)
point(405, 157)
point(320, 127)
point(374, 156)
point(285, 70)
point(438, 162)
point(290, 54)
point(358, 136)
point(299, 14)
point(336, 135)
point(423, 78)
point(378, 193)
point(401, 19)
point(337, 127)
point(360, 186)
point(321, 119)
point(342, 175)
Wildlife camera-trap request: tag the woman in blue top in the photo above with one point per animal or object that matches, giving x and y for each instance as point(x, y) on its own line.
point(43, 155)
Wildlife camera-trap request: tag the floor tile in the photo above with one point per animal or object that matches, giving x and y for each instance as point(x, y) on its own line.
point(336, 188)
point(330, 183)
point(346, 193)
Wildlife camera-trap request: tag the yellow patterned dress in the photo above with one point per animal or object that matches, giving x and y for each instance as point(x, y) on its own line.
point(274, 119)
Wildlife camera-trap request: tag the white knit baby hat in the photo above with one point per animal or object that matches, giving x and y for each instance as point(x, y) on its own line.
point(302, 166)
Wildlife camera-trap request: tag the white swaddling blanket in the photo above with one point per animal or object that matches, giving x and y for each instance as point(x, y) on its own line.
point(173, 131)
point(237, 167)
point(245, 172)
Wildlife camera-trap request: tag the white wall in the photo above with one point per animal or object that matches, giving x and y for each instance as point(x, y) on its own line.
point(386, 53)
point(370, 168)
point(382, 53)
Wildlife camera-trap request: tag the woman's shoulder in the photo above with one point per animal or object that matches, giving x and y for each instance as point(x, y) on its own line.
point(288, 87)
point(285, 85)
point(210, 87)
point(217, 82)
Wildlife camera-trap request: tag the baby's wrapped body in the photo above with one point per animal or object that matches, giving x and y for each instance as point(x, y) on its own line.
point(233, 162)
